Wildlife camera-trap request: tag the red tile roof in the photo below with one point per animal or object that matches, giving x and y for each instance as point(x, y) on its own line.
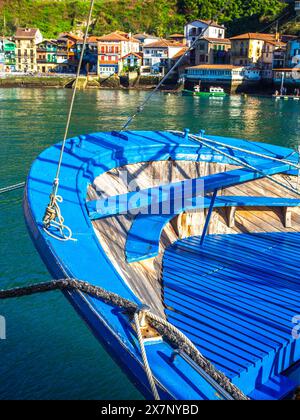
point(164, 43)
point(180, 53)
point(255, 35)
point(218, 40)
point(133, 53)
point(68, 35)
point(93, 39)
point(117, 37)
point(26, 33)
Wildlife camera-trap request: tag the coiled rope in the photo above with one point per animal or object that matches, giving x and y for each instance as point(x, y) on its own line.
point(173, 335)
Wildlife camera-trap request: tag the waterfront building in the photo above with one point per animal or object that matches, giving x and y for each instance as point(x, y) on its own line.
point(211, 51)
point(293, 52)
point(66, 43)
point(90, 58)
point(7, 55)
point(47, 56)
point(111, 49)
point(254, 49)
point(158, 57)
point(132, 61)
point(273, 54)
point(226, 75)
point(145, 39)
point(205, 28)
point(26, 40)
point(290, 77)
point(279, 58)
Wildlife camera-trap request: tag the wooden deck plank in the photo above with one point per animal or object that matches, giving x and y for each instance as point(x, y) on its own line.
point(145, 277)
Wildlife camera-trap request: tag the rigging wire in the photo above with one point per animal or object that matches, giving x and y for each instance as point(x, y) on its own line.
point(141, 107)
point(247, 165)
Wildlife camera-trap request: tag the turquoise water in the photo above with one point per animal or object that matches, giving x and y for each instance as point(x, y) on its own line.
point(49, 352)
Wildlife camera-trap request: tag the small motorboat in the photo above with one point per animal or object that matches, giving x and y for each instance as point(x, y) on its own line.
point(220, 265)
point(213, 91)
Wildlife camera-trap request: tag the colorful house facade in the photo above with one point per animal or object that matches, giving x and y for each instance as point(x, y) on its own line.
point(212, 51)
point(47, 56)
point(90, 58)
point(111, 49)
point(132, 61)
point(67, 52)
point(254, 49)
point(7, 55)
point(26, 40)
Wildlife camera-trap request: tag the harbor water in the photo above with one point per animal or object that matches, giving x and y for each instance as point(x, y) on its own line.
point(49, 353)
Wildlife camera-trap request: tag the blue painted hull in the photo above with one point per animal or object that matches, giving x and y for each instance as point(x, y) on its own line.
point(86, 158)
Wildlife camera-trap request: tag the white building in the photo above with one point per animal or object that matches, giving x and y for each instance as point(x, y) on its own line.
point(222, 73)
point(204, 28)
point(145, 39)
point(158, 56)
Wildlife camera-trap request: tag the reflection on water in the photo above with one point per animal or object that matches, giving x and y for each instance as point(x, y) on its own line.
point(49, 352)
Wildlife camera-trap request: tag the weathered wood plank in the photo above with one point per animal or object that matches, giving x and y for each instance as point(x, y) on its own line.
point(144, 277)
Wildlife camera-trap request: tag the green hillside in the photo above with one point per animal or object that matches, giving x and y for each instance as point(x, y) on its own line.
point(160, 17)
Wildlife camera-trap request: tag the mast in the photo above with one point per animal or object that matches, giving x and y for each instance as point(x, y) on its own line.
point(282, 83)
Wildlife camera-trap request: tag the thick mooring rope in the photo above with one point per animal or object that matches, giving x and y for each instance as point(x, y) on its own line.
point(173, 335)
point(147, 368)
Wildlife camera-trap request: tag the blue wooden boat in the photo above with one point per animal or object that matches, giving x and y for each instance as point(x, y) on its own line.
point(222, 266)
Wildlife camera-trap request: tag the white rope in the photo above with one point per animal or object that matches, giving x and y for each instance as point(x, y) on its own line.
point(54, 198)
point(147, 368)
point(12, 187)
point(58, 224)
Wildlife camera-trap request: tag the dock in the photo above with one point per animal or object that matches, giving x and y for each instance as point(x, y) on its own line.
point(287, 97)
